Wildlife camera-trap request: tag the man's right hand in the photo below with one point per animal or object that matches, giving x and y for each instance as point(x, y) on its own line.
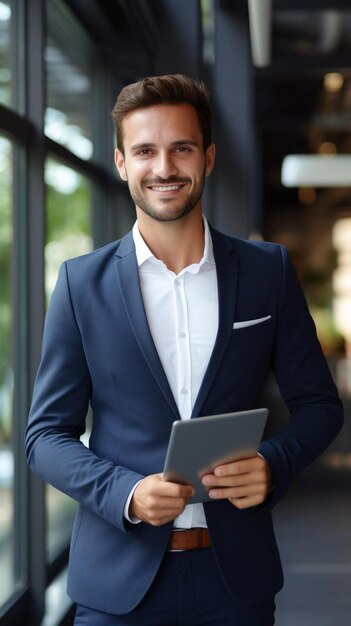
point(157, 501)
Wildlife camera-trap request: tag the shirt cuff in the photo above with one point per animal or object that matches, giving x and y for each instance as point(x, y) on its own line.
point(131, 518)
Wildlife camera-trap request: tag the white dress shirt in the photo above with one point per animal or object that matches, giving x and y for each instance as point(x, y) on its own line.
point(182, 313)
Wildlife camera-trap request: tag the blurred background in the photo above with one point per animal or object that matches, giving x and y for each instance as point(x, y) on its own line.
point(279, 74)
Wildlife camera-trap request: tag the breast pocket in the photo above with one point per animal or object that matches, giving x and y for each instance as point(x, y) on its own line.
point(254, 332)
point(251, 322)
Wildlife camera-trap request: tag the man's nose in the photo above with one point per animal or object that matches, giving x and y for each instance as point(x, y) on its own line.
point(164, 165)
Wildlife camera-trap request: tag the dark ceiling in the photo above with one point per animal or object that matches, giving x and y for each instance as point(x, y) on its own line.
point(298, 109)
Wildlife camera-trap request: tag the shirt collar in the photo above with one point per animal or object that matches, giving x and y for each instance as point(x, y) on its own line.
point(143, 252)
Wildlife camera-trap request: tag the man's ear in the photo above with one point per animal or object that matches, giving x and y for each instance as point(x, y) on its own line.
point(210, 159)
point(120, 164)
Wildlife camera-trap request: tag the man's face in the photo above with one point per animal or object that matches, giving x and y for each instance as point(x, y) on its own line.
point(164, 161)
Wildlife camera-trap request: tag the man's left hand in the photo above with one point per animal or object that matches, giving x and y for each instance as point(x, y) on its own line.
point(244, 483)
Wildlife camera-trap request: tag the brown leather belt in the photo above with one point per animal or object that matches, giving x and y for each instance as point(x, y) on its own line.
point(191, 539)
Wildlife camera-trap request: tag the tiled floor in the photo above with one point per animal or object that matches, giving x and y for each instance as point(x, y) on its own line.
point(313, 528)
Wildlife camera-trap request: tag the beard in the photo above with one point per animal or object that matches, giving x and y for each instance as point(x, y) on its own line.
point(167, 209)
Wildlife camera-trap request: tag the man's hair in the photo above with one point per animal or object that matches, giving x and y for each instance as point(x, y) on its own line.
point(169, 89)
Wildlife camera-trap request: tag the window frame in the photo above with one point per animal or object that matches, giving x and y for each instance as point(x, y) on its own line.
point(23, 125)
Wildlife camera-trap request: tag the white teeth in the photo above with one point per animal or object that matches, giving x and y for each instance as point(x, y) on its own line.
point(169, 188)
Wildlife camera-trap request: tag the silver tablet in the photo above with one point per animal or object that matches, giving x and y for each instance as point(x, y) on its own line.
point(198, 445)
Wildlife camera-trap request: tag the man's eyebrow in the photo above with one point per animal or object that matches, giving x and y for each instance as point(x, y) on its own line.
point(182, 142)
point(137, 146)
point(179, 142)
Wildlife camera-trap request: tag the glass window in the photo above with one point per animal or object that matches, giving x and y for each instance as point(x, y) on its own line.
point(7, 575)
point(208, 26)
point(60, 510)
point(5, 57)
point(68, 234)
point(68, 218)
point(68, 116)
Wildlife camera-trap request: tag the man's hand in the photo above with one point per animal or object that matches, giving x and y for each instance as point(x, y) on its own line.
point(157, 501)
point(244, 483)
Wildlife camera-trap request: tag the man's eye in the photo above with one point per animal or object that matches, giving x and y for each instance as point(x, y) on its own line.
point(144, 152)
point(183, 149)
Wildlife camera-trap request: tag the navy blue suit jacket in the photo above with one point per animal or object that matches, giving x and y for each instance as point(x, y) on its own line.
point(98, 349)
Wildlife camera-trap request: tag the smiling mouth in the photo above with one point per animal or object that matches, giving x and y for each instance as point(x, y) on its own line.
point(163, 188)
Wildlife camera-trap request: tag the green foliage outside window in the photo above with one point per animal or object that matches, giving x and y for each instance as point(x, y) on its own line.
point(68, 218)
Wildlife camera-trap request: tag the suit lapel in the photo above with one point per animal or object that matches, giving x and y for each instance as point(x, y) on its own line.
point(128, 278)
point(227, 279)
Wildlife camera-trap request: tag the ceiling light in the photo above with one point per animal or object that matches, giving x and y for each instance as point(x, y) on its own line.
point(333, 81)
point(327, 147)
point(260, 15)
point(301, 170)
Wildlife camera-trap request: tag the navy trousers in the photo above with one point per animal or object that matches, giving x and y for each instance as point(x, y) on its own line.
point(188, 591)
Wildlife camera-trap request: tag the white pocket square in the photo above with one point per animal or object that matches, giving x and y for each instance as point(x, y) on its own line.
point(246, 323)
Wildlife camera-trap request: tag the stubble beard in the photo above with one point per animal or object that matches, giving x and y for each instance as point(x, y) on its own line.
point(174, 211)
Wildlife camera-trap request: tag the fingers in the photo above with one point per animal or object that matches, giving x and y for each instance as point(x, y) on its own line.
point(255, 494)
point(247, 502)
point(244, 466)
point(245, 483)
point(157, 502)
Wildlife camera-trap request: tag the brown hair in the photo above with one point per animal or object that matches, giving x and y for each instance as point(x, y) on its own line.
point(169, 89)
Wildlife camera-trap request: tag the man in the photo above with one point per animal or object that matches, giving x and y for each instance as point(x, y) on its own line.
point(143, 330)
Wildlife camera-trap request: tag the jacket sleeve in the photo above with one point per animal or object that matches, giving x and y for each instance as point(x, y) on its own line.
point(58, 415)
point(306, 386)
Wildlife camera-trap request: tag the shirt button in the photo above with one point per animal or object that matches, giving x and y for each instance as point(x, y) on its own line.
point(184, 392)
point(182, 334)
